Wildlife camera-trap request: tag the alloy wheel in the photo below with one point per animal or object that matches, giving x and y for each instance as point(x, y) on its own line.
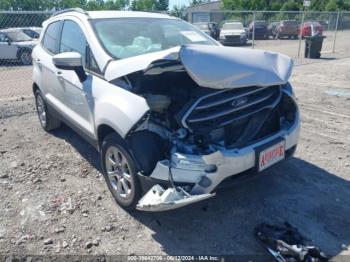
point(118, 172)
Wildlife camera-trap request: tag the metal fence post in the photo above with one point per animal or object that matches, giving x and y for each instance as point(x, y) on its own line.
point(253, 36)
point(301, 33)
point(335, 32)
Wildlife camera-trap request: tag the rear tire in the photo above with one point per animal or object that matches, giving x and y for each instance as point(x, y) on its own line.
point(25, 57)
point(47, 121)
point(120, 172)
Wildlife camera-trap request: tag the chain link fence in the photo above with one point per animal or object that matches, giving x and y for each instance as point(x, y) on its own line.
point(19, 31)
point(287, 39)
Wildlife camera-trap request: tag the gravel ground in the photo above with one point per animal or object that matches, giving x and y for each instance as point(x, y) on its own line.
point(55, 201)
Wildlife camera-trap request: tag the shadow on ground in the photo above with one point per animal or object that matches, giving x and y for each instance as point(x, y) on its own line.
point(310, 198)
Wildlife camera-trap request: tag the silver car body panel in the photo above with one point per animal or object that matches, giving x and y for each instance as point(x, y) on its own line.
point(234, 67)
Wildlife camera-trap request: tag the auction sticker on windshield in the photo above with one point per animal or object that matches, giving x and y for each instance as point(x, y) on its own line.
point(193, 36)
point(271, 155)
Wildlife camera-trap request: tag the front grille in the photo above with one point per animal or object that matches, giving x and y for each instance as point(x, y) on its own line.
point(233, 37)
point(225, 107)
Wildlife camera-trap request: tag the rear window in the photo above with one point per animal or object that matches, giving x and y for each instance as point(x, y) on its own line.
point(290, 23)
point(260, 23)
point(50, 40)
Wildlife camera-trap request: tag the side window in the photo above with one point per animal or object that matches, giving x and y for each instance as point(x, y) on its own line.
point(51, 37)
point(73, 39)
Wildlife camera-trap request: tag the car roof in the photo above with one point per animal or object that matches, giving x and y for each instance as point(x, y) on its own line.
point(232, 23)
point(117, 14)
point(9, 30)
point(110, 14)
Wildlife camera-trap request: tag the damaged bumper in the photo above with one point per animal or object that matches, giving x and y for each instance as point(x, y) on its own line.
point(158, 199)
point(204, 173)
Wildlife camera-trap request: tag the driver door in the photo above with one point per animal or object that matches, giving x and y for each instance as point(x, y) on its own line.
point(7, 49)
point(77, 96)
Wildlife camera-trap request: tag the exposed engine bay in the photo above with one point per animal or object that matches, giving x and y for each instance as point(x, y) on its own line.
point(211, 113)
point(190, 119)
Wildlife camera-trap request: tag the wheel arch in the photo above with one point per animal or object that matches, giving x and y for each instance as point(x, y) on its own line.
point(103, 130)
point(35, 87)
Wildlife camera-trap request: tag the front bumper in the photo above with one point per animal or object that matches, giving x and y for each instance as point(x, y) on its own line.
point(233, 39)
point(193, 169)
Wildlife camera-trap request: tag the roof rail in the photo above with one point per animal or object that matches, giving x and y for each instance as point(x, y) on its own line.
point(79, 10)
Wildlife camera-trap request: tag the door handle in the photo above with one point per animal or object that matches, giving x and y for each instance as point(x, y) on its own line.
point(59, 76)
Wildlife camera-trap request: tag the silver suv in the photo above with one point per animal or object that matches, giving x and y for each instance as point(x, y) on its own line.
point(171, 111)
point(16, 45)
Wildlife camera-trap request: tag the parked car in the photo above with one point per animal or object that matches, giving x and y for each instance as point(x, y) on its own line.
point(15, 45)
point(260, 30)
point(233, 33)
point(32, 32)
point(171, 112)
point(271, 29)
point(324, 24)
point(286, 28)
point(209, 28)
point(310, 29)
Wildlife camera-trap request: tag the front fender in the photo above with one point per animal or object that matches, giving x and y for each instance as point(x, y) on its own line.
point(117, 107)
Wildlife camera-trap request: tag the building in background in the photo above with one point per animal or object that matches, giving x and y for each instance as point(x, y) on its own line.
point(206, 12)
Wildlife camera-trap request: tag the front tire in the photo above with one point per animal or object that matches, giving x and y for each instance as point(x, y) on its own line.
point(120, 172)
point(47, 121)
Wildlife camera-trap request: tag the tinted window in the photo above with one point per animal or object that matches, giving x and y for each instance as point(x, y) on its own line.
point(73, 39)
point(51, 37)
point(3, 38)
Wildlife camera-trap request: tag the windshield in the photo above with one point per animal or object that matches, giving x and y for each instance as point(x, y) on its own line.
point(18, 36)
point(127, 37)
point(232, 26)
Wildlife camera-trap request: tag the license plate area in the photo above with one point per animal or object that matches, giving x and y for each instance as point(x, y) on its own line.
point(269, 154)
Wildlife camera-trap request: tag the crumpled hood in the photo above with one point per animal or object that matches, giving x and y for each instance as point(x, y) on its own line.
point(215, 66)
point(229, 67)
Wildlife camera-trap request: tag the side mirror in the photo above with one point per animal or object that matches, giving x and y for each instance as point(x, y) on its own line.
point(8, 41)
point(70, 61)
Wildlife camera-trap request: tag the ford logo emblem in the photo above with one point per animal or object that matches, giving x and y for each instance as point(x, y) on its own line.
point(239, 101)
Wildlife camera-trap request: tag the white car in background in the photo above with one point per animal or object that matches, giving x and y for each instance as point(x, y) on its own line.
point(233, 33)
point(171, 112)
point(16, 45)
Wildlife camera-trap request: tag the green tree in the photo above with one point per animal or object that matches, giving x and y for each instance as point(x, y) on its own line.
point(179, 11)
point(331, 6)
point(150, 5)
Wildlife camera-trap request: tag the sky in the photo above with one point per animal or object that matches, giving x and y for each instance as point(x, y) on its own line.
point(177, 2)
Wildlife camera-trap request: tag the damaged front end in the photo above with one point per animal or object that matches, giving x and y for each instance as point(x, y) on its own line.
point(160, 199)
point(211, 108)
